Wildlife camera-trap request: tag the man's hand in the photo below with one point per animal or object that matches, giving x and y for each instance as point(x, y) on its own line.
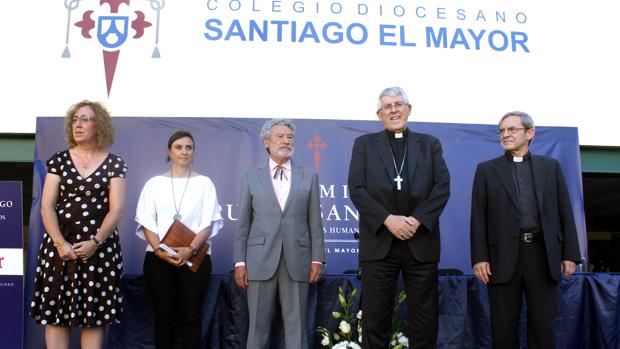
point(415, 223)
point(401, 227)
point(241, 276)
point(482, 271)
point(568, 268)
point(316, 270)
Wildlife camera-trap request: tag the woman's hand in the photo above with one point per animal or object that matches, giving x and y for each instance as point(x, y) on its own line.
point(85, 249)
point(167, 257)
point(65, 252)
point(184, 253)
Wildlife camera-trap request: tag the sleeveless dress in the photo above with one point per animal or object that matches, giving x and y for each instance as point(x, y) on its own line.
point(76, 293)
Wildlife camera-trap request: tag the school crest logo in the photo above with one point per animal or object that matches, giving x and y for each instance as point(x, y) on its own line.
point(113, 24)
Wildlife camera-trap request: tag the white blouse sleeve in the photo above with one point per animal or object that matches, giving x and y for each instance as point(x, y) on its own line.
point(146, 213)
point(211, 215)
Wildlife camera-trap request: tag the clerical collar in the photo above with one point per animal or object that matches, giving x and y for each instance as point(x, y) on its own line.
point(518, 158)
point(397, 135)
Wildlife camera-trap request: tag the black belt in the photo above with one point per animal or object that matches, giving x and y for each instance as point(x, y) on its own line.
point(531, 237)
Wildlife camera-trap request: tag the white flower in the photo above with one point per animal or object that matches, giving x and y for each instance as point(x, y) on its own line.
point(344, 327)
point(346, 345)
point(359, 315)
point(325, 341)
point(402, 339)
point(341, 345)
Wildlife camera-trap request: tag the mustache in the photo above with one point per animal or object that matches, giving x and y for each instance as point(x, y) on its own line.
point(291, 149)
point(286, 149)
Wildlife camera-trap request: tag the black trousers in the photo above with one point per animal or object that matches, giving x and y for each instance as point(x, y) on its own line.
point(177, 294)
point(379, 281)
point(532, 277)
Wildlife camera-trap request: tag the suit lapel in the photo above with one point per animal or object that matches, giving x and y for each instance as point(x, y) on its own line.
point(413, 147)
point(265, 179)
point(296, 177)
point(504, 172)
point(385, 154)
point(540, 177)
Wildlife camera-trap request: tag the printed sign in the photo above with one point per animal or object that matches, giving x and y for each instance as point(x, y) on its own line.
point(11, 265)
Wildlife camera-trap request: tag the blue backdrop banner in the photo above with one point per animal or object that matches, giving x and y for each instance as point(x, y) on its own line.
point(225, 148)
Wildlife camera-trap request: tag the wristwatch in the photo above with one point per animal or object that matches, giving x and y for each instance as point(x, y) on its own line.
point(194, 251)
point(94, 239)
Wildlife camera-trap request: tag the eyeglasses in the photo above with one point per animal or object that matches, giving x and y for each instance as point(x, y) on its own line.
point(82, 118)
point(511, 130)
point(397, 106)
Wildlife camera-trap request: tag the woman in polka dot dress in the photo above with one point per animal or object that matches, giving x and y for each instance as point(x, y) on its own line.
point(79, 269)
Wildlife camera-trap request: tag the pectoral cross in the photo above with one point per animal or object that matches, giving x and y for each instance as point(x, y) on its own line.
point(398, 180)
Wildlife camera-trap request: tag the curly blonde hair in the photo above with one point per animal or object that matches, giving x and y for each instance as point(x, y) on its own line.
point(103, 122)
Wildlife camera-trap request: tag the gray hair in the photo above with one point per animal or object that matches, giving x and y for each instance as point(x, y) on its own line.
point(526, 119)
point(265, 132)
point(392, 92)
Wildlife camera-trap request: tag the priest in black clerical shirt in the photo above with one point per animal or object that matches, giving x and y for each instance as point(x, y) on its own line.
point(523, 235)
point(400, 184)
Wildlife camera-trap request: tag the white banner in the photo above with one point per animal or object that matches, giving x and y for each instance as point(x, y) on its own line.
point(11, 261)
point(460, 61)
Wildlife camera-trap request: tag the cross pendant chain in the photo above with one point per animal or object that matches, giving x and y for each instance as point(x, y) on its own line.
point(398, 179)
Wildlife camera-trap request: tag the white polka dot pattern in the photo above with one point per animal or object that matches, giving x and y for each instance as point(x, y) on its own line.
point(71, 293)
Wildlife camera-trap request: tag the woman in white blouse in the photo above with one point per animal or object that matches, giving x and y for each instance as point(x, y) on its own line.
point(190, 197)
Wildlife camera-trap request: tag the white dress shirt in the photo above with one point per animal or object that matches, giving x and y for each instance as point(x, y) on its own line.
point(281, 185)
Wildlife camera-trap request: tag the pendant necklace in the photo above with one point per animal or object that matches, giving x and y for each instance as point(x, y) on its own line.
point(85, 165)
point(177, 216)
point(398, 179)
point(83, 160)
